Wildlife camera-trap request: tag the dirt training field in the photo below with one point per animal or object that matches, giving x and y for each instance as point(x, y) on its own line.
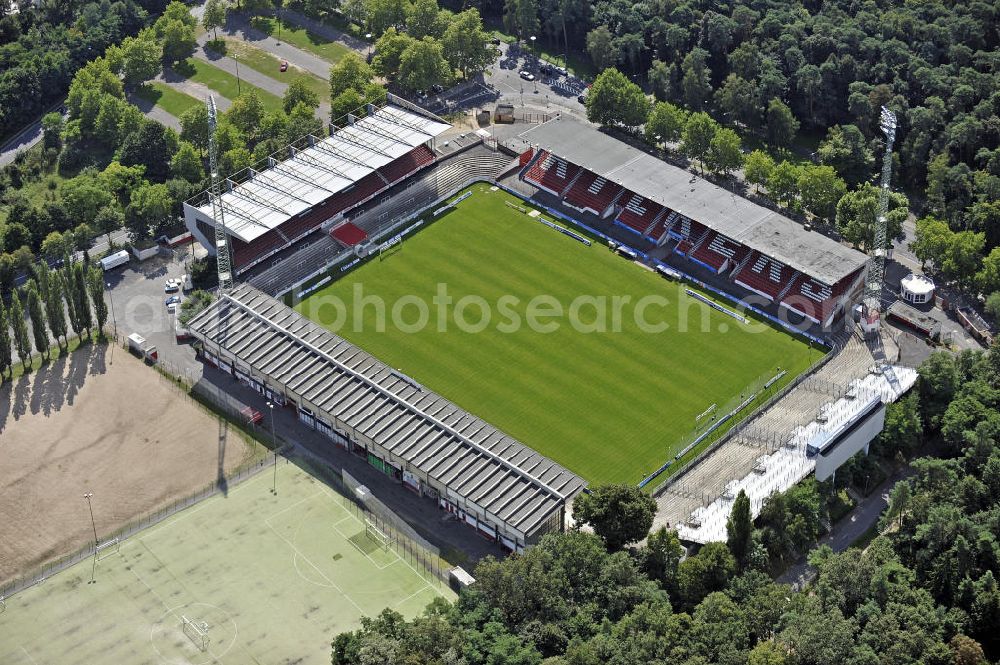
point(82, 424)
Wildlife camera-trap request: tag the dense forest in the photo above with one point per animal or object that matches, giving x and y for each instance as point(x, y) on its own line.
point(924, 590)
point(42, 47)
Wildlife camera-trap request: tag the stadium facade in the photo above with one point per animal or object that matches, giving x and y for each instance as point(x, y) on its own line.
point(506, 491)
point(665, 206)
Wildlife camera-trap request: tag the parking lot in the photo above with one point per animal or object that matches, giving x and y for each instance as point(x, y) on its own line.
point(551, 90)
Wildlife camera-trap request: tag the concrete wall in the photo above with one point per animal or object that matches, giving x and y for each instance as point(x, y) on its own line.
point(852, 440)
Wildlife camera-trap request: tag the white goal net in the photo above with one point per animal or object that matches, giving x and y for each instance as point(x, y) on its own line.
point(197, 632)
point(104, 550)
point(377, 534)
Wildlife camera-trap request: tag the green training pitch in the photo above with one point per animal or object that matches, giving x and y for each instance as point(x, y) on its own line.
point(611, 406)
point(250, 565)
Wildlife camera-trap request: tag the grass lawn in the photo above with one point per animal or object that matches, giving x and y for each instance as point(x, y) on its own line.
point(223, 82)
point(269, 64)
point(170, 100)
point(299, 556)
point(611, 406)
point(301, 38)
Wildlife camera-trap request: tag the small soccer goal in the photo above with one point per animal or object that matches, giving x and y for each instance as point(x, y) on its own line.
point(376, 534)
point(104, 550)
point(197, 632)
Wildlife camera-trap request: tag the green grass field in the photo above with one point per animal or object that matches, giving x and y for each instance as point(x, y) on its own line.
point(327, 49)
point(172, 101)
point(223, 82)
point(611, 406)
point(269, 64)
point(250, 564)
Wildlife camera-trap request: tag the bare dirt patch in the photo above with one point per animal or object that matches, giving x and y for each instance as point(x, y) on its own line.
point(121, 431)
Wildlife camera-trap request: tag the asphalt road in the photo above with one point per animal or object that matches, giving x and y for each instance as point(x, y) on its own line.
point(554, 94)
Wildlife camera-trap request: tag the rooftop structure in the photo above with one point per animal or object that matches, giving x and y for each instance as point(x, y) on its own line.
point(489, 475)
point(266, 198)
point(719, 209)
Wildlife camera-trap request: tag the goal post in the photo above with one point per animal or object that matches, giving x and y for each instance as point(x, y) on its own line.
point(376, 534)
point(196, 631)
point(104, 550)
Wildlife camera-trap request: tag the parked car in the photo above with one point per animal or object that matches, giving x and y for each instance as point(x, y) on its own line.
point(546, 69)
point(172, 300)
point(582, 99)
point(172, 286)
point(527, 76)
point(284, 66)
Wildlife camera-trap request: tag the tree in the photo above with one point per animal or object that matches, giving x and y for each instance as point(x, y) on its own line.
point(665, 123)
point(148, 210)
point(56, 245)
point(425, 19)
point(782, 125)
point(696, 81)
point(384, 14)
point(696, 139)
point(246, 114)
point(350, 73)
point(739, 528)
point(931, 241)
point(81, 302)
point(663, 554)
point(50, 289)
point(466, 45)
point(299, 92)
point(821, 188)
point(757, 168)
point(783, 183)
point(660, 80)
point(233, 161)
point(422, 65)
point(614, 100)
point(738, 99)
point(140, 58)
point(178, 39)
point(194, 126)
point(301, 121)
point(965, 252)
point(186, 163)
point(22, 343)
point(846, 150)
point(85, 195)
point(521, 17)
point(388, 51)
point(346, 102)
point(52, 127)
point(68, 288)
point(95, 288)
point(601, 48)
point(988, 277)
point(6, 352)
point(993, 306)
point(151, 147)
point(37, 315)
point(214, 16)
point(857, 213)
point(620, 514)
point(725, 154)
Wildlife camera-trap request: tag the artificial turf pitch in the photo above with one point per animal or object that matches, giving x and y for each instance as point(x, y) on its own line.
point(275, 577)
point(610, 406)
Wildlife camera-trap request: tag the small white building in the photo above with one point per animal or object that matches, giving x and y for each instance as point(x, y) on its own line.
point(916, 289)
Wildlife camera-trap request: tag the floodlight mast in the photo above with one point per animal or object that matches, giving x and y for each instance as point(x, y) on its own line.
point(874, 280)
point(223, 262)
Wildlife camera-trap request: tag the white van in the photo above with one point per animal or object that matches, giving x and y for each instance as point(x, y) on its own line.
point(114, 260)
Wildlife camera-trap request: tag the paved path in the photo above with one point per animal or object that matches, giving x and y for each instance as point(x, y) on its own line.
point(847, 531)
point(253, 77)
point(154, 112)
point(192, 88)
point(238, 27)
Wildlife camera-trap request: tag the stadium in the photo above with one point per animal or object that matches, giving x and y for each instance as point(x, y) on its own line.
point(503, 428)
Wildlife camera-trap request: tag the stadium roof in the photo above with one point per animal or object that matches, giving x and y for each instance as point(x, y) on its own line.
point(476, 461)
point(269, 198)
point(734, 216)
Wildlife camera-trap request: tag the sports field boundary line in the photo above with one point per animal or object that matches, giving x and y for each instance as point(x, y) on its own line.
point(139, 525)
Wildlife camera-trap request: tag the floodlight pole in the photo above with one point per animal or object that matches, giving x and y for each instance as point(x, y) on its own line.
point(274, 439)
point(93, 524)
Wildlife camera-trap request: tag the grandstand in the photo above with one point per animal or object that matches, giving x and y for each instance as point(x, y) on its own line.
point(506, 491)
point(663, 206)
point(316, 182)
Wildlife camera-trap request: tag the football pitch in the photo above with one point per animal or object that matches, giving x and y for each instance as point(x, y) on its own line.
point(610, 391)
point(245, 567)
